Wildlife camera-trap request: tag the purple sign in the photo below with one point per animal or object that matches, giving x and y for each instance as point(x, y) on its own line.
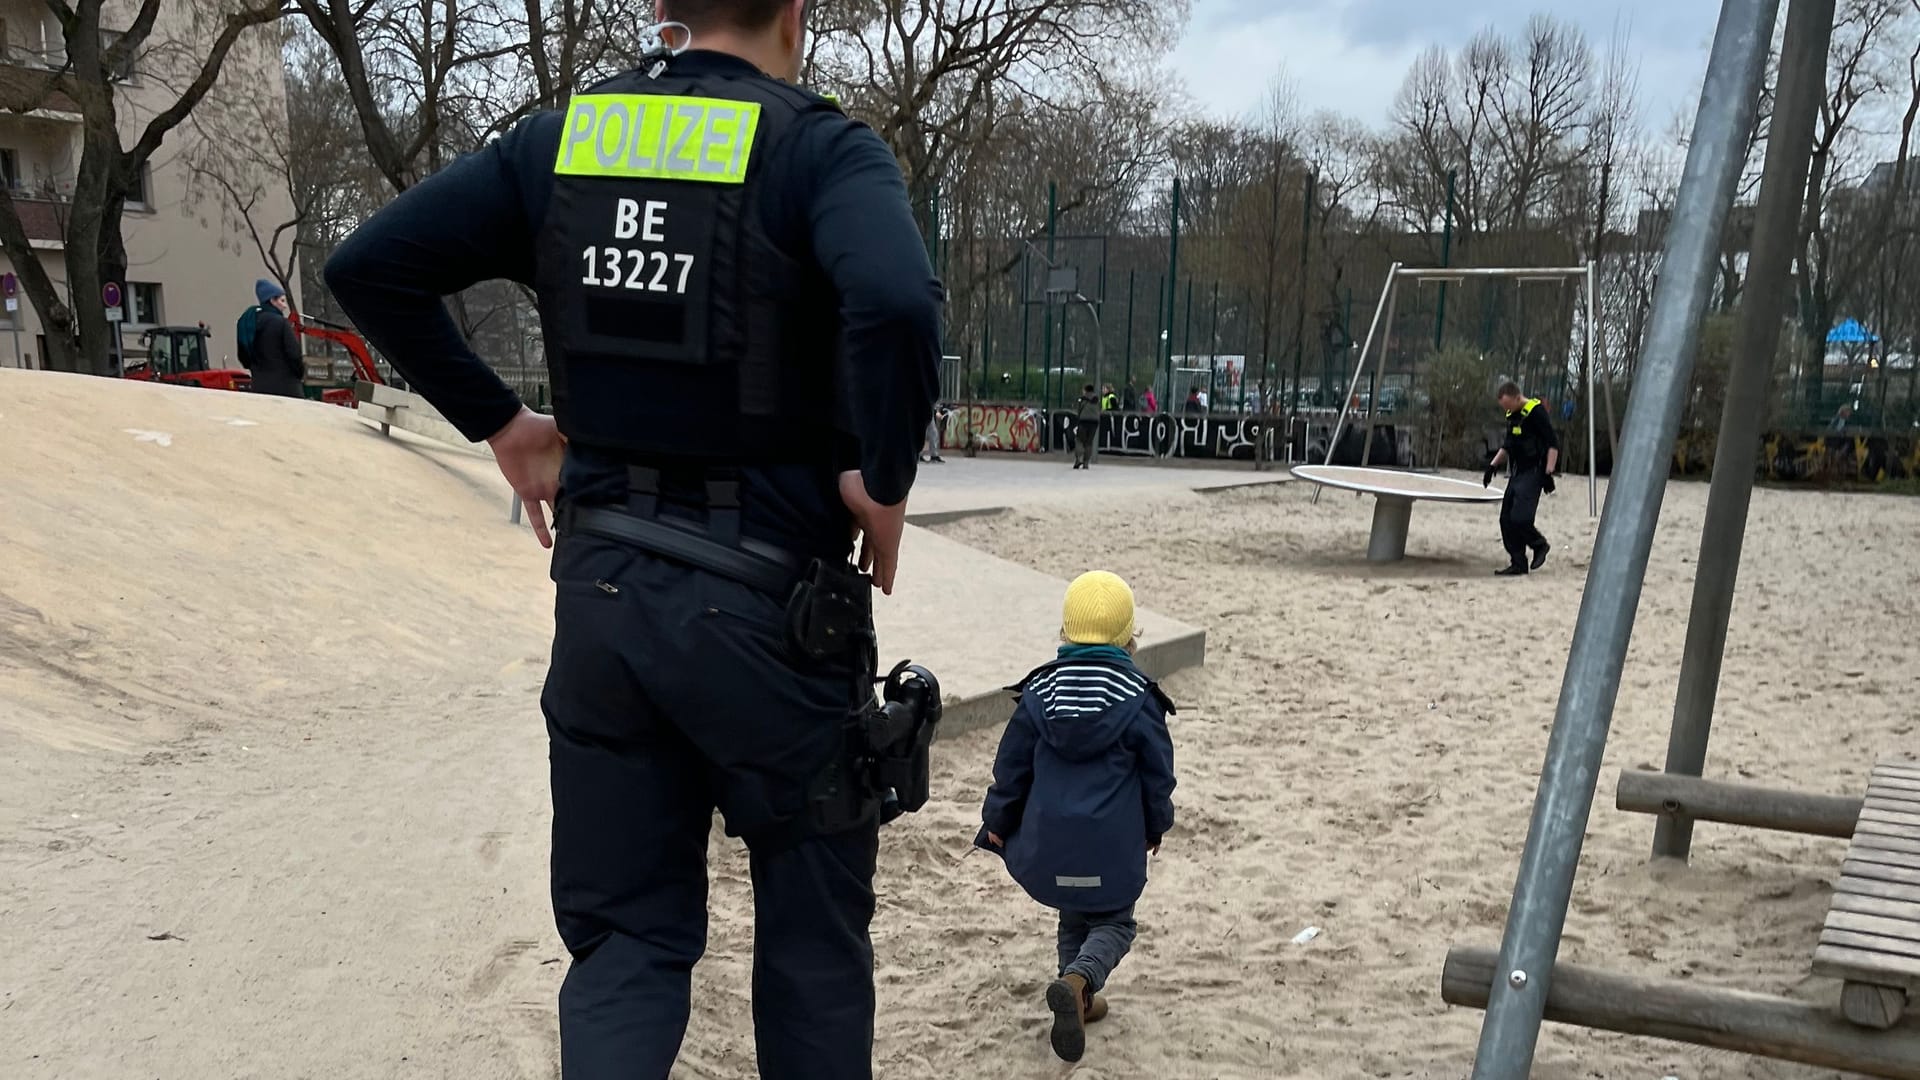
point(110, 293)
point(9, 285)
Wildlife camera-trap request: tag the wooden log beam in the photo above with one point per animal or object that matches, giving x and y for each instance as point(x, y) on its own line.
point(1736, 804)
point(1759, 1024)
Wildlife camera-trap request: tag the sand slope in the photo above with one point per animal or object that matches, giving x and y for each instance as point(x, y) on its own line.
point(339, 818)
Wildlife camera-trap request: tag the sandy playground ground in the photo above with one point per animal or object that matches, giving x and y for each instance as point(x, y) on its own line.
point(273, 791)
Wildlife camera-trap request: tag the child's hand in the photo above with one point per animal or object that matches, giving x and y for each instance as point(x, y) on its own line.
point(994, 839)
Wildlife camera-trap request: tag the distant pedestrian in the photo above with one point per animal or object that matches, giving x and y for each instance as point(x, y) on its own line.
point(1149, 403)
point(272, 351)
point(1130, 398)
point(1195, 404)
point(1086, 428)
point(931, 452)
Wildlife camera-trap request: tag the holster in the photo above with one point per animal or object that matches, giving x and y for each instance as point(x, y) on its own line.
point(830, 617)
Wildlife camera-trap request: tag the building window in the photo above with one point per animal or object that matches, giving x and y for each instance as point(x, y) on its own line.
point(145, 297)
point(10, 169)
point(124, 71)
point(140, 187)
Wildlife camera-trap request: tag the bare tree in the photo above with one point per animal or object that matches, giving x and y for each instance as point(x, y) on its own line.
point(85, 75)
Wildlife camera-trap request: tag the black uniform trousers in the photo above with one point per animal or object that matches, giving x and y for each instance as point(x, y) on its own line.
point(1516, 513)
point(673, 692)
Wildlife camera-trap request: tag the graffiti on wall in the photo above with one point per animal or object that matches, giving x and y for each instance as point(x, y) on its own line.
point(1165, 435)
point(1820, 457)
point(998, 427)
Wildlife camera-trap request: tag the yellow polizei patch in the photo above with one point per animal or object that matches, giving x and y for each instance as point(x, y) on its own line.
point(658, 137)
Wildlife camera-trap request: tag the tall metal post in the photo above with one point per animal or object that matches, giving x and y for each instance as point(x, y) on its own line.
point(1213, 347)
point(1379, 371)
point(1173, 284)
point(1300, 307)
point(1729, 101)
point(1803, 72)
point(1593, 358)
point(1359, 366)
point(1046, 323)
point(1446, 259)
point(1129, 343)
point(1026, 335)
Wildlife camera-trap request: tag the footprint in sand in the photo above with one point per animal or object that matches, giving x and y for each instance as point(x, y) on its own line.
point(494, 971)
point(490, 847)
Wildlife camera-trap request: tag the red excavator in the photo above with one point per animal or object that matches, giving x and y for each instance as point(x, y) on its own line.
point(178, 354)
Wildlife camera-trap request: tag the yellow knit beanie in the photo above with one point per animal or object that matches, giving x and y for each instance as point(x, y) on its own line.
point(1098, 610)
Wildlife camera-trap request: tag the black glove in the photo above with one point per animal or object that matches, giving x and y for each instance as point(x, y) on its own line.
point(1548, 486)
point(1486, 478)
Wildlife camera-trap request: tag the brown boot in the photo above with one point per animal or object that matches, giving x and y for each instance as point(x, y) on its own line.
point(1096, 1009)
point(1067, 999)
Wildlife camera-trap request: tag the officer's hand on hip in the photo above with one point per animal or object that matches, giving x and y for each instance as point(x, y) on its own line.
point(880, 528)
point(529, 450)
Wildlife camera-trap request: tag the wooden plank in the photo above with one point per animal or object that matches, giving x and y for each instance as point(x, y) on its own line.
point(1876, 943)
point(1862, 853)
point(1883, 772)
point(1870, 924)
point(1887, 890)
point(1855, 965)
point(1900, 802)
point(1869, 838)
point(1903, 875)
point(1893, 783)
point(1905, 823)
point(1776, 1027)
point(1902, 910)
point(1892, 836)
point(1646, 792)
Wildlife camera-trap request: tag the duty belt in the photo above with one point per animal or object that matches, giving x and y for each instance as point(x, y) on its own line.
point(751, 563)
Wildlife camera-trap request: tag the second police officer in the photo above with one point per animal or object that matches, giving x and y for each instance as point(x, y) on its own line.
point(742, 333)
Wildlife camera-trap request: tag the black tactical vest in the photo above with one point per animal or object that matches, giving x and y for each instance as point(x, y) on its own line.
point(674, 328)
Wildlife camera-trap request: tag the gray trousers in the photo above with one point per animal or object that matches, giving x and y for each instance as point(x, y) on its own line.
point(1092, 943)
point(1086, 441)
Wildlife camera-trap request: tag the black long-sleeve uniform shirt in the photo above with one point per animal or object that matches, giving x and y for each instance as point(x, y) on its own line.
point(1529, 437)
point(834, 198)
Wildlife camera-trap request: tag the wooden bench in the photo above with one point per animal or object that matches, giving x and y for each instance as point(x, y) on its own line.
point(1871, 941)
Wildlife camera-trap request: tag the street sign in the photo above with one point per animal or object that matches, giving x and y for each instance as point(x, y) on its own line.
point(13, 303)
point(114, 314)
point(110, 294)
point(9, 285)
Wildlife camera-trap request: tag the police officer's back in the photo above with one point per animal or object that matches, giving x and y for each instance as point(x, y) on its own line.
point(742, 334)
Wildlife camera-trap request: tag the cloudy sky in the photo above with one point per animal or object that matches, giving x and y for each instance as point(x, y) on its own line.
point(1350, 55)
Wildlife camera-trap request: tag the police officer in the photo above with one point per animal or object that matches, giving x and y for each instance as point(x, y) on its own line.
point(1532, 452)
point(742, 331)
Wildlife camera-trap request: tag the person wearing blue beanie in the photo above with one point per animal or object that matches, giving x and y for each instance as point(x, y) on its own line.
point(278, 367)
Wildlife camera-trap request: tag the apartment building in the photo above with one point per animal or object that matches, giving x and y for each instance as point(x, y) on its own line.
point(191, 258)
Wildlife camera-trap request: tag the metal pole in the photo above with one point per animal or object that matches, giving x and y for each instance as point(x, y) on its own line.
point(1300, 311)
point(1129, 342)
point(1446, 259)
point(1360, 365)
point(1173, 285)
point(1380, 371)
point(1803, 69)
point(1046, 323)
point(1538, 913)
point(1593, 358)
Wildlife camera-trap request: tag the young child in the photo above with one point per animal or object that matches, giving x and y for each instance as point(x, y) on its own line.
point(1082, 792)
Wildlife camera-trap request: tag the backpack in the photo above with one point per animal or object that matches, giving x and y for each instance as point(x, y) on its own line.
point(244, 333)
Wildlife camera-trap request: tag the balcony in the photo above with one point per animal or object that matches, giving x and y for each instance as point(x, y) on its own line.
point(43, 215)
point(32, 85)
